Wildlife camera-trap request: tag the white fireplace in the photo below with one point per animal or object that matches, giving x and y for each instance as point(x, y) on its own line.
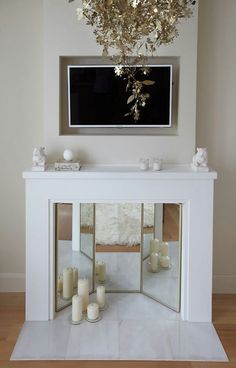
point(104, 184)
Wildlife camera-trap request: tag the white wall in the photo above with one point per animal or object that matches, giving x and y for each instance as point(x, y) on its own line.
point(216, 127)
point(22, 40)
point(64, 35)
point(21, 126)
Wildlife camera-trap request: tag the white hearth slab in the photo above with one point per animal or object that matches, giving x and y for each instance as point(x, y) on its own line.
point(133, 327)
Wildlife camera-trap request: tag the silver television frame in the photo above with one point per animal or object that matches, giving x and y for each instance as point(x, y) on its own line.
point(170, 66)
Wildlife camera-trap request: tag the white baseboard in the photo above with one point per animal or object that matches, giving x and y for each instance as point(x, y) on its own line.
point(224, 284)
point(12, 282)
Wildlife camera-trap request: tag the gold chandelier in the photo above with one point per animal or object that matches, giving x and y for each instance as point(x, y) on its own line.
point(131, 30)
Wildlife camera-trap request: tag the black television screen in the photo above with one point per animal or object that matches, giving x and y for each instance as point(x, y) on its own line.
point(98, 98)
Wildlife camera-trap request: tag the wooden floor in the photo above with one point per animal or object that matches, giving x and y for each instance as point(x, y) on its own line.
point(12, 317)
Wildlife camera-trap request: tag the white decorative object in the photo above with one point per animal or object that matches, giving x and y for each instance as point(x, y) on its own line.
point(68, 155)
point(144, 164)
point(83, 291)
point(75, 276)
point(66, 166)
point(154, 246)
point(154, 260)
point(67, 283)
point(156, 165)
point(165, 261)
point(101, 296)
point(39, 159)
point(93, 311)
point(59, 284)
point(101, 271)
point(97, 268)
point(77, 308)
point(200, 160)
point(164, 249)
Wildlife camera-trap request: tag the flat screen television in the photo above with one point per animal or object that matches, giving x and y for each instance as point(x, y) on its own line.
point(98, 98)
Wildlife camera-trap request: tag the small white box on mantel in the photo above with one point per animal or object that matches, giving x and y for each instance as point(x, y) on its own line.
point(67, 166)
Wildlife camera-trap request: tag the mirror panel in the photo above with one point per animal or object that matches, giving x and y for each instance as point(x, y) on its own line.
point(118, 237)
point(162, 256)
point(115, 244)
point(87, 229)
point(72, 260)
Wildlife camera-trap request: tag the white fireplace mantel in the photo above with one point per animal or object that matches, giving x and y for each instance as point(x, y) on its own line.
point(105, 183)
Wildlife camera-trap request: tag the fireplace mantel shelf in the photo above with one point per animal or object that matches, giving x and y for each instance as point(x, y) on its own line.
point(169, 171)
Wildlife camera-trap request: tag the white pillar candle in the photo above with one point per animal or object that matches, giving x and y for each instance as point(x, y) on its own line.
point(67, 283)
point(93, 311)
point(154, 260)
point(75, 276)
point(165, 261)
point(101, 296)
point(154, 246)
point(164, 249)
point(83, 291)
point(77, 308)
point(59, 284)
point(97, 268)
point(102, 272)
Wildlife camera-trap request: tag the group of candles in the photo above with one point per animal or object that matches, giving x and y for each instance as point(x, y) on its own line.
point(69, 280)
point(70, 276)
point(159, 255)
point(155, 164)
point(80, 302)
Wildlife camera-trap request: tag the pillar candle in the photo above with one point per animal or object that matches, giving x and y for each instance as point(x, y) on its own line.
point(67, 283)
point(59, 284)
point(93, 311)
point(97, 268)
point(165, 261)
point(75, 276)
point(154, 246)
point(154, 259)
point(77, 308)
point(102, 272)
point(83, 291)
point(164, 249)
point(101, 298)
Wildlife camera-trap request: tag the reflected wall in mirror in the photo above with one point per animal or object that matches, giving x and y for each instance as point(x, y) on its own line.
point(162, 255)
point(72, 259)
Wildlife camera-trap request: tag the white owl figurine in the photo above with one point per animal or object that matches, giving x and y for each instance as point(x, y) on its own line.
point(39, 159)
point(200, 160)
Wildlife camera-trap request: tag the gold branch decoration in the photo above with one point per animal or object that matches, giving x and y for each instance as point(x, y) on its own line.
point(131, 30)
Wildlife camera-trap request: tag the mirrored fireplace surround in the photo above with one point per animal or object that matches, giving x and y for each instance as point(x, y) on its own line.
point(138, 245)
point(104, 184)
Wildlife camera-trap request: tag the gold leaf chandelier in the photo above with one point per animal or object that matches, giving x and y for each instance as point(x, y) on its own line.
point(130, 31)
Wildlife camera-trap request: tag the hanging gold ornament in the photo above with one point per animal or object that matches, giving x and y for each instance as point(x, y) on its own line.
point(130, 31)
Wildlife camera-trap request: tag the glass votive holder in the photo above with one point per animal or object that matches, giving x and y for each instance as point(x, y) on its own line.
point(165, 262)
point(144, 163)
point(156, 164)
